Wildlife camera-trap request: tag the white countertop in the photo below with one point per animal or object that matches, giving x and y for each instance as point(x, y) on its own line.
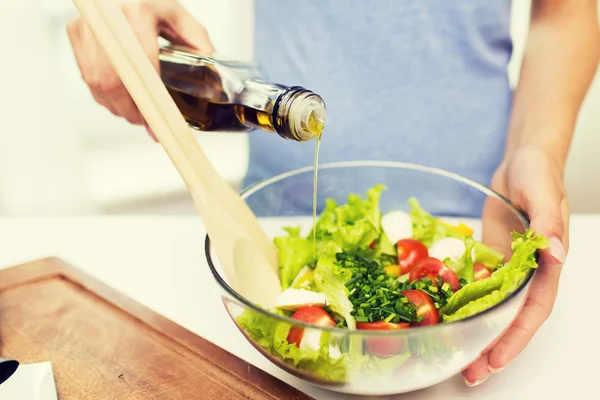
point(159, 261)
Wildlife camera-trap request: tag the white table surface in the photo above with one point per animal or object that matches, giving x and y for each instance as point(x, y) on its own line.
point(159, 261)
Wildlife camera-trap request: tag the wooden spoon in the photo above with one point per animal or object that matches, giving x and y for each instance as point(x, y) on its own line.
point(245, 253)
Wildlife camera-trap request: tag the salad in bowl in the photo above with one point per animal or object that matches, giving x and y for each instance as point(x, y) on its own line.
point(380, 302)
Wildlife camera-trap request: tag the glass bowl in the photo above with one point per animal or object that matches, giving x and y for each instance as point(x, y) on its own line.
point(353, 361)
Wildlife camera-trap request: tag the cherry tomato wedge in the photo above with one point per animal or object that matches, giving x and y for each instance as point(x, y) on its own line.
point(481, 271)
point(426, 267)
point(434, 269)
point(410, 251)
point(381, 326)
point(311, 315)
point(425, 307)
point(450, 277)
point(383, 347)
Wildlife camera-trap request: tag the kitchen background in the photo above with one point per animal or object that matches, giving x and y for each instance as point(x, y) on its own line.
point(61, 154)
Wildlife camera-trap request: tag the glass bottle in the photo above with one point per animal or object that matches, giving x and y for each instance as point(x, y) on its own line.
point(231, 96)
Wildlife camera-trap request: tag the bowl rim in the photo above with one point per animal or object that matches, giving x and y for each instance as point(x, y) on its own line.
point(253, 188)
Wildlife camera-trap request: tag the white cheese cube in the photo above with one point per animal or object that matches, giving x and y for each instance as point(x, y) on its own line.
point(449, 247)
point(311, 339)
point(397, 225)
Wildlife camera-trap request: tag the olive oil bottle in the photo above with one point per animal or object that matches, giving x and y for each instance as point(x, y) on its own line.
point(217, 95)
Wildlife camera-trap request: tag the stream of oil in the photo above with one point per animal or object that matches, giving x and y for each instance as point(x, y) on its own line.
point(315, 180)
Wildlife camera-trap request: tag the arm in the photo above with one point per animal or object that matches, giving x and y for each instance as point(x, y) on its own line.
point(559, 63)
point(560, 59)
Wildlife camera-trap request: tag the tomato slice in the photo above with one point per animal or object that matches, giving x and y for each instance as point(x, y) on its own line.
point(426, 267)
point(381, 326)
point(311, 315)
point(450, 277)
point(383, 347)
point(425, 307)
point(433, 269)
point(410, 251)
point(481, 271)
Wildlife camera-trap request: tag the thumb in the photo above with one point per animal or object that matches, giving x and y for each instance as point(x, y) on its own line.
point(177, 25)
point(544, 203)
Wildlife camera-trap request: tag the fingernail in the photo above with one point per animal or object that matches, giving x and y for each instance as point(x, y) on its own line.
point(477, 382)
point(557, 250)
point(494, 370)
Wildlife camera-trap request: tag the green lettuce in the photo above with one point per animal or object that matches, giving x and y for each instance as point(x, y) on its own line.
point(481, 295)
point(428, 229)
point(464, 265)
point(271, 335)
point(293, 254)
point(352, 226)
point(488, 256)
point(386, 246)
point(330, 279)
point(472, 292)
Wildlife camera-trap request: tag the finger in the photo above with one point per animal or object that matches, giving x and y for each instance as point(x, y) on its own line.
point(476, 373)
point(126, 108)
point(537, 308)
point(150, 132)
point(177, 25)
point(543, 202)
point(565, 211)
point(498, 220)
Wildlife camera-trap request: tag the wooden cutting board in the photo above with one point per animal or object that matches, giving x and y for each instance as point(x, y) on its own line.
point(103, 345)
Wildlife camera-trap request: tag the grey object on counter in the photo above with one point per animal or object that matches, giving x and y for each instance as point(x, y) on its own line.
point(7, 369)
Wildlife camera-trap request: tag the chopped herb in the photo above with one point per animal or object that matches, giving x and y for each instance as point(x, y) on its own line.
point(120, 376)
point(375, 295)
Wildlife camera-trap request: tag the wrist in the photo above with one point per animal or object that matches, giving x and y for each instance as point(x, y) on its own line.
point(555, 159)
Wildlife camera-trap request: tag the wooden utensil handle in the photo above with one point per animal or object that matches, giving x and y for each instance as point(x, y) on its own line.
point(227, 218)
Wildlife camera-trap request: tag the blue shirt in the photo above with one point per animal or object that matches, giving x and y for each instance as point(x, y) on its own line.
point(403, 80)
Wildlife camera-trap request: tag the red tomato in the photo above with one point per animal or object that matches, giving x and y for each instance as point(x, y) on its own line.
point(433, 269)
point(384, 346)
point(425, 307)
point(410, 251)
point(426, 267)
point(381, 326)
point(311, 315)
point(450, 277)
point(481, 271)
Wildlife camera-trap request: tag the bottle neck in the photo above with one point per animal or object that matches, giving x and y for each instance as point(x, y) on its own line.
point(299, 114)
point(238, 93)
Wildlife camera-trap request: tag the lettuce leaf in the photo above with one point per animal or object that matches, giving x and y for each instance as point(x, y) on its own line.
point(293, 254)
point(464, 266)
point(272, 335)
point(488, 256)
point(386, 246)
point(330, 279)
point(352, 226)
point(524, 247)
point(481, 295)
point(472, 292)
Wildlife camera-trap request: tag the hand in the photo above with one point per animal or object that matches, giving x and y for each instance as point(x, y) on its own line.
point(533, 181)
point(149, 20)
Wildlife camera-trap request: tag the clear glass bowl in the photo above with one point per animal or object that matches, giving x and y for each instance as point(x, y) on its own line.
point(414, 358)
